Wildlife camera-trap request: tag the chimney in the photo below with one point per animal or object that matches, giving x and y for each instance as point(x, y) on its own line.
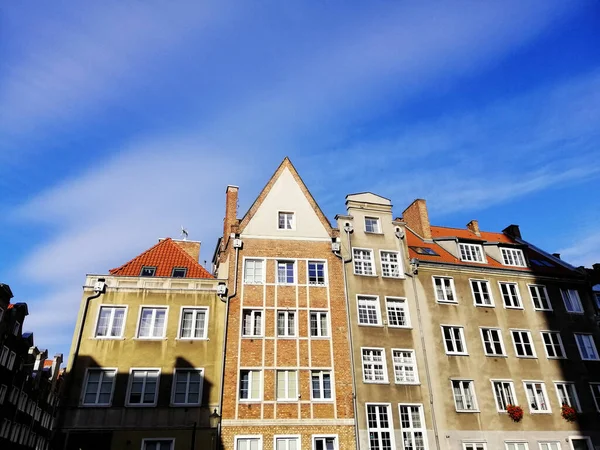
point(231, 200)
point(192, 248)
point(56, 362)
point(473, 226)
point(512, 231)
point(417, 218)
point(556, 255)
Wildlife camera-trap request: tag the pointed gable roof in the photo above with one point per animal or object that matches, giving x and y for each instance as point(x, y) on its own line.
point(164, 256)
point(285, 164)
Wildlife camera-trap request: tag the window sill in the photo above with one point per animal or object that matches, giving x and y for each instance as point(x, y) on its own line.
point(322, 400)
point(250, 400)
point(513, 307)
point(103, 338)
point(192, 339)
point(152, 339)
point(184, 405)
point(375, 382)
point(484, 306)
point(320, 337)
point(252, 337)
point(377, 233)
point(376, 325)
point(556, 357)
point(543, 310)
point(446, 302)
point(128, 405)
point(416, 383)
point(588, 359)
point(286, 337)
point(374, 275)
point(285, 284)
point(496, 356)
point(254, 284)
point(82, 405)
point(527, 357)
point(467, 411)
point(457, 354)
point(317, 285)
point(401, 327)
point(287, 400)
point(390, 277)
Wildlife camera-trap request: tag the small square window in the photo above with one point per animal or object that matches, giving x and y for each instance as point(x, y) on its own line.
point(523, 344)
point(363, 261)
point(374, 366)
point(143, 387)
point(286, 220)
point(390, 264)
point(110, 322)
point(471, 252)
point(368, 310)
point(254, 271)
point(397, 312)
point(325, 443)
point(193, 323)
point(572, 301)
point(482, 293)
point(152, 323)
point(553, 344)
point(454, 340)
point(316, 273)
point(187, 388)
point(510, 295)
point(285, 272)
point(372, 225)
point(492, 342)
point(444, 289)
point(516, 445)
point(513, 257)
point(474, 446)
point(98, 387)
point(179, 272)
point(148, 271)
point(539, 296)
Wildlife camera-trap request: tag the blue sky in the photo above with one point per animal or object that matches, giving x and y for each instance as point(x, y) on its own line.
point(121, 121)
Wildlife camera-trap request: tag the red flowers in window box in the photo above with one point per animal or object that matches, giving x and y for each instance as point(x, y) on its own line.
point(568, 413)
point(515, 412)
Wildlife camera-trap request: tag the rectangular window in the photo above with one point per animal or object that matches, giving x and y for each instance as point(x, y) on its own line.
point(412, 424)
point(193, 323)
point(17, 328)
point(248, 443)
point(285, 272)
point(3, 389)
point(252, 322)
point(510, 295)
point(319, 324)
point(471, 252)
point(286, 220)
point(374, 367)
point(595, 388)
point(250, 385)
point(143, 387)
point(571, 299)
point(587, 347)
point(444, 289)
point(381, 429)
point(390, 264)
point(474, 446)
point(11, 360)
point(287, 443)
point(254, 271)
point(397, 312)
point(187, 387)
point(539, 297)
point(372, 225)
point(5, 429)
point(368, 310)
point(504, 393)
point(148, 271)
point(537, 397)
point(363, 261)
point(567, 395)
point(4, 355)
point(286, 323)
point(553, 344)
point(596, 297)
point(464, 395)
point(482, 294)
point(581, 443)
point(405, 366)
point(523, 343)
point(513, 257)
point(98, 387)
point(110, 322)
point(179, 272)
point(321, 385)
point(316, 273)
point(158, 444)
point(492, 342)
point(152, 323)
point(325, 443)
point(1, 313)
point(287, 385)
point(516, 445)
point(454, 340)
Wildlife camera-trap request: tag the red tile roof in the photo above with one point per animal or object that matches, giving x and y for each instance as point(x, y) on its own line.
point(164, 256)
point(48, 363)
point(460, 233)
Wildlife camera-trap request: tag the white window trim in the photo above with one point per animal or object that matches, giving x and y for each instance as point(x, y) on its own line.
point(130, 382)
point(262, 323)
point(287, 436)
point(172, 439)
point(390, 420)
point(294, 263)
point(407, 313)
point(543, 287)
point(510, 249)
point(260, 385)
point(206, 309)
point(592, 384)
point(287, 211)
point(512, 388)
point(517, 290)
point(493, 355)
point(593, 343)
point(452, 302)
point(531, 343)
point(516, 441)
point(295, 397)
point(577, 405)
point(319, 312)
point(562, 295)
point(400, 264)
point(322, 400)
point(560, 342)
point(462, 338)
point(335, 437)
point(109, 305)
point(181, 369)
point(378, 311)
point(325, 272)
point(483, 255)
point(374, 274)
point(85, 380)
point(547, 397)
point(287, 311)
point(583, 438)
point(416, 366)
point(421, 417)
point(379, 229)
point(264, 270)
point(384, 362)
point(473, 392)
point(474, 442)
point(489, 288)
point(239, 437)
point(139, 322)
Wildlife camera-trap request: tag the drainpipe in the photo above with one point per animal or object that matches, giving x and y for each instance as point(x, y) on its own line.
point(348, 230)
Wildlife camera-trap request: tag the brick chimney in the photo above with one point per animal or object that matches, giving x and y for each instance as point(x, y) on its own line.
point(473, 226)
point(417, 218)
point(192, 248)
point(512, 231)
point(231, 200)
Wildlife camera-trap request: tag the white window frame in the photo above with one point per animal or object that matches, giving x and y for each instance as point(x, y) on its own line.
point(239, 437)
point(474, 445)
point(287, 333)
point(320, 374)
point(294, 264)
point(285, 215)
point(481, 283)
point(195, 310)
point(378, 429)
point(153, 321)
point(319, 314)
point(368, 298)
point(576, 301)
point(501, 341)
point(471, 250)
point(452, 290)
point(362, 262)
point(316, 437)
point(293, 437)
point(287, 386)
point(172, 446)
point(147, 268)
point(85, 382)
point(403, 302)
point(187, 387)
point(254, 279)
point(507, 443)
point(325, 278)
point(111, 320)
point(507, 284)
point(184, 269)
point(391, 264)
point(453, 337)
point(471, 390)
point(377, 223)
point(594, 349)
point(373, 364)
point(545, 396)
point(530, 343)
point(590, 445)
point(398, 366)
point(542, 293)
point(595, 388)
point(422, 429)
point(513, 254)
point(253, 312)
point(253, 372)
point(513, 393)
point(560, 343)
point(577, 405)
point(130, 383)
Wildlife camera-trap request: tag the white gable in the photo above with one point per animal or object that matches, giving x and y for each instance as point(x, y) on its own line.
point(368, 197)
point(286, 195)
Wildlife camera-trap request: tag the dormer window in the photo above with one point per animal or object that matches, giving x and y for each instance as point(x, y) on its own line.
point(513, 257)
point(179, 272)
point(286, 220)
point(372, 225)
point(148, 271)
point(471, 252)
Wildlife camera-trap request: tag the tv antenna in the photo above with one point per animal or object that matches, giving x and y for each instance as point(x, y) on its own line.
point(184, 233)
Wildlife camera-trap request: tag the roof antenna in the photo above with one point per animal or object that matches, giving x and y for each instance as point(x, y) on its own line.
point(184, 233)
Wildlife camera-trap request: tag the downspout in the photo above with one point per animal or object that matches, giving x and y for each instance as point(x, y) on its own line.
point(354, 404)
point(414, 269)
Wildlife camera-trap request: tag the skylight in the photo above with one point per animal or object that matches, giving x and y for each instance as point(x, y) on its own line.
point(425, 251)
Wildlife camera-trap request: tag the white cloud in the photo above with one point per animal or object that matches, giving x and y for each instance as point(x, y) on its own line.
point(585, 251)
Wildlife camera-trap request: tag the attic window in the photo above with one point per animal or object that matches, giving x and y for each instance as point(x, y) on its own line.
point(148, 271)
point(286, 220)
point(471, 252)
point(179, 272)
point(424, 251)
point(372, 225)
point(513, 257)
